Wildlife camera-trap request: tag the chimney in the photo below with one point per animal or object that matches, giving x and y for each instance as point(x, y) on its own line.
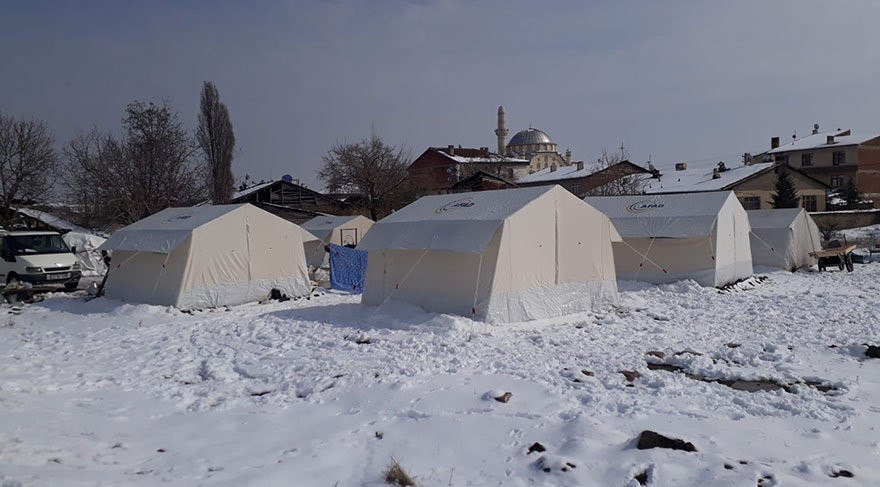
point(568, 156)
point(450, 149)
point(774, 142)
point(552, 167)
point(580, 165)
point(716, 174)
point(829, 140)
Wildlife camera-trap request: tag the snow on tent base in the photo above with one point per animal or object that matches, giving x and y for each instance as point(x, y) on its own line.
point(784, 238)
point(205, 257)
point(672, 237)
point(496, 256)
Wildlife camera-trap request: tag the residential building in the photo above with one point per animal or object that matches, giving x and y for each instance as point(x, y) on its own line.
point(439, 168)
point(834, 157)
point(580, 180)
point(481, 181)
point(291, 201)
point(753, 183)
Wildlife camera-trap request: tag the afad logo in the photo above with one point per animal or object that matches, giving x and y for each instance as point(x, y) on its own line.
point(643, 206)
point(454, 205)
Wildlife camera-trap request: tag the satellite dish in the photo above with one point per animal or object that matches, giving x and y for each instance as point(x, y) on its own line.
point(287, 178)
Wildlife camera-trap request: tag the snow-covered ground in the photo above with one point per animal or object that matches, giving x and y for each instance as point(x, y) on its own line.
point(325, 392)
point(864, 235)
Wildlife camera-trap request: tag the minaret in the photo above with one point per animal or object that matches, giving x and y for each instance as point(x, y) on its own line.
point(501, 132)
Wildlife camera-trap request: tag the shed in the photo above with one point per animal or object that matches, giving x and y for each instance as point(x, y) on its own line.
point(206, 256)
point(497, 256)
point(670, 237)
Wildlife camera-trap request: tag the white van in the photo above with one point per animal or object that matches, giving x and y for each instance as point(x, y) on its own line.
point(37, 258)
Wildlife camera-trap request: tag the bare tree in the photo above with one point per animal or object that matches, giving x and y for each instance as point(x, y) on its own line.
point(371, 169)
point(216, 139)
point(27, 161)
point(617, 184)
point(116, 181)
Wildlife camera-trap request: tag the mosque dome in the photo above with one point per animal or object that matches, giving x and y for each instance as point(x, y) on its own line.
point(530, 136)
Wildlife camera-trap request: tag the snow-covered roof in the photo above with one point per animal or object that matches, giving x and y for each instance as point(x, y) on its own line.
point(698, 177)
point(239, 194)
point(562, 172)
point(462, 222)
point(165, 230)
point(52, 220)
point(820, 141)
point(465, 155)
point(663, 215)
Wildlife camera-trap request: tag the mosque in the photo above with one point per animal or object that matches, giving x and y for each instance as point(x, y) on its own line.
point(532, 144)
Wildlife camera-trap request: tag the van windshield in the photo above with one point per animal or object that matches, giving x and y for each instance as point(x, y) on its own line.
point(36, 244)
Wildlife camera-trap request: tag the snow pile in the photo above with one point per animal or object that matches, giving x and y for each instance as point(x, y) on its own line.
point(327, 392)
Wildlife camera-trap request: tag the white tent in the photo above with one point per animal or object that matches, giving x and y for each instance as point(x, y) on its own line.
point(206, 256)
point(345, 230)
point(670, 237)
point(497, 256)
point(313, 248)
point(784, 238)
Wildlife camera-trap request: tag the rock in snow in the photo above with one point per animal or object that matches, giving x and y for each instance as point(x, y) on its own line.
point(652, 439)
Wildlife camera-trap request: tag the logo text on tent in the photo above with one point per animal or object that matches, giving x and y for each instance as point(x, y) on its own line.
point(642, 206)
point(454, 205)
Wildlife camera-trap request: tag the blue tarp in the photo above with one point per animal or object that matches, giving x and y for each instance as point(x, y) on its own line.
point(347, 268)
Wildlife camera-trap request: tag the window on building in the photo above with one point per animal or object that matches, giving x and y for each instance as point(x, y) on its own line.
point(838, 157)
point(808, 203)
point(807, 159)
point(751, 202)
point(836, 181)
point(779, 158)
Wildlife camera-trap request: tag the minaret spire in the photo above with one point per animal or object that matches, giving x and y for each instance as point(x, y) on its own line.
point(501, 132)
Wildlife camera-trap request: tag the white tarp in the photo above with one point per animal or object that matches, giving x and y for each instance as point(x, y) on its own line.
point(87, 254)
point(498, 256)
point(784, 238)
point(206, 256)
point(346, 230)
point(669, 237)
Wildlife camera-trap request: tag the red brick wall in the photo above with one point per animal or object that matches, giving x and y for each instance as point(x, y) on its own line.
point(430, 173)
point(868, 175)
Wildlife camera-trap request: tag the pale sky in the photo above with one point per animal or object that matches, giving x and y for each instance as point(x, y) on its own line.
point(679, 80)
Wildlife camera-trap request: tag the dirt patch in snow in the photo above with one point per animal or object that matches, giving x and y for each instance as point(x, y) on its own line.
point(759, 385)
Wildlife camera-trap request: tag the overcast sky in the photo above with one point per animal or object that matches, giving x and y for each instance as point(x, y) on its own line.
point(674, 79)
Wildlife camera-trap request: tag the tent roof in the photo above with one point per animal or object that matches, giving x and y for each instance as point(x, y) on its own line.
point(162, 232)
point(779, 218)
point(308, 236)
point(322, 226)
point(462, 222)
point(663, 215)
